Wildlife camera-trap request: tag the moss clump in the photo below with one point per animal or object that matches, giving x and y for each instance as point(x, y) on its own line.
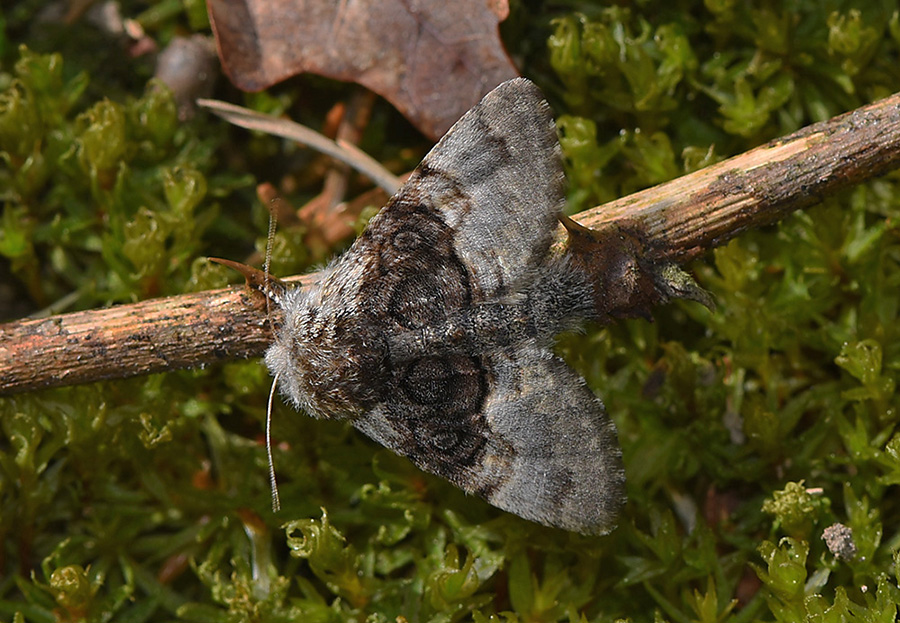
point(746, 432)
point(653, 93)
point(107, 200)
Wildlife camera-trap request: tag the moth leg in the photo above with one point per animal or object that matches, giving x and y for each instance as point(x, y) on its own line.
point(626, 276)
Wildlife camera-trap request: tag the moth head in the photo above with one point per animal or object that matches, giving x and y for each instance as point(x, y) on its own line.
point(289, 355)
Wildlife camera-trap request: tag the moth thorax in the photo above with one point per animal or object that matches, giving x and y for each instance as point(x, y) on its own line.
point(325, 368)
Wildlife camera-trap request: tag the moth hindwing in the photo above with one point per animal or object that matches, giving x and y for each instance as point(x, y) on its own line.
point(433, 332)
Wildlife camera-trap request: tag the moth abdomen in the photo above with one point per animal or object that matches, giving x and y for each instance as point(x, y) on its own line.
point(557, 298)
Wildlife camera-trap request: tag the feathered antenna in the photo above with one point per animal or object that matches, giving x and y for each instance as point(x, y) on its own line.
point(267, 281)
point(276, 499)
point(274, 290)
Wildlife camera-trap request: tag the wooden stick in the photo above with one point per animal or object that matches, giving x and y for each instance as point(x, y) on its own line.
point(684, 218)
point(129, 340)
point(695, 213)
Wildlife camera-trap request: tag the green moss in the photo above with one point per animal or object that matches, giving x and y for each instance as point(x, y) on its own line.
point(107, 202)
point(746, 432)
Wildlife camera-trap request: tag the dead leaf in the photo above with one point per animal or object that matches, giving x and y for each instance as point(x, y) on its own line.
point(431, 60)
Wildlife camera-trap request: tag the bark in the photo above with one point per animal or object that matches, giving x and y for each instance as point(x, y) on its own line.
point(692, 214)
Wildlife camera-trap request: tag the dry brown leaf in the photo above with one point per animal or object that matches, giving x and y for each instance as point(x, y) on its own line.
point(432, 60)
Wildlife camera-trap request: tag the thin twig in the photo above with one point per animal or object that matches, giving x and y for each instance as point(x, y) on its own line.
point(682, 218)
point(252, 120)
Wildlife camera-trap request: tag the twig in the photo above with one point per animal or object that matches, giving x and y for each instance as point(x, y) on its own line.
point(683, 218)
point(284, 128)
point(695, 213)
point(327, 216)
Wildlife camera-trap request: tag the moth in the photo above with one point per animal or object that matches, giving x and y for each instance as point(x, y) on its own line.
point(433, 333)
